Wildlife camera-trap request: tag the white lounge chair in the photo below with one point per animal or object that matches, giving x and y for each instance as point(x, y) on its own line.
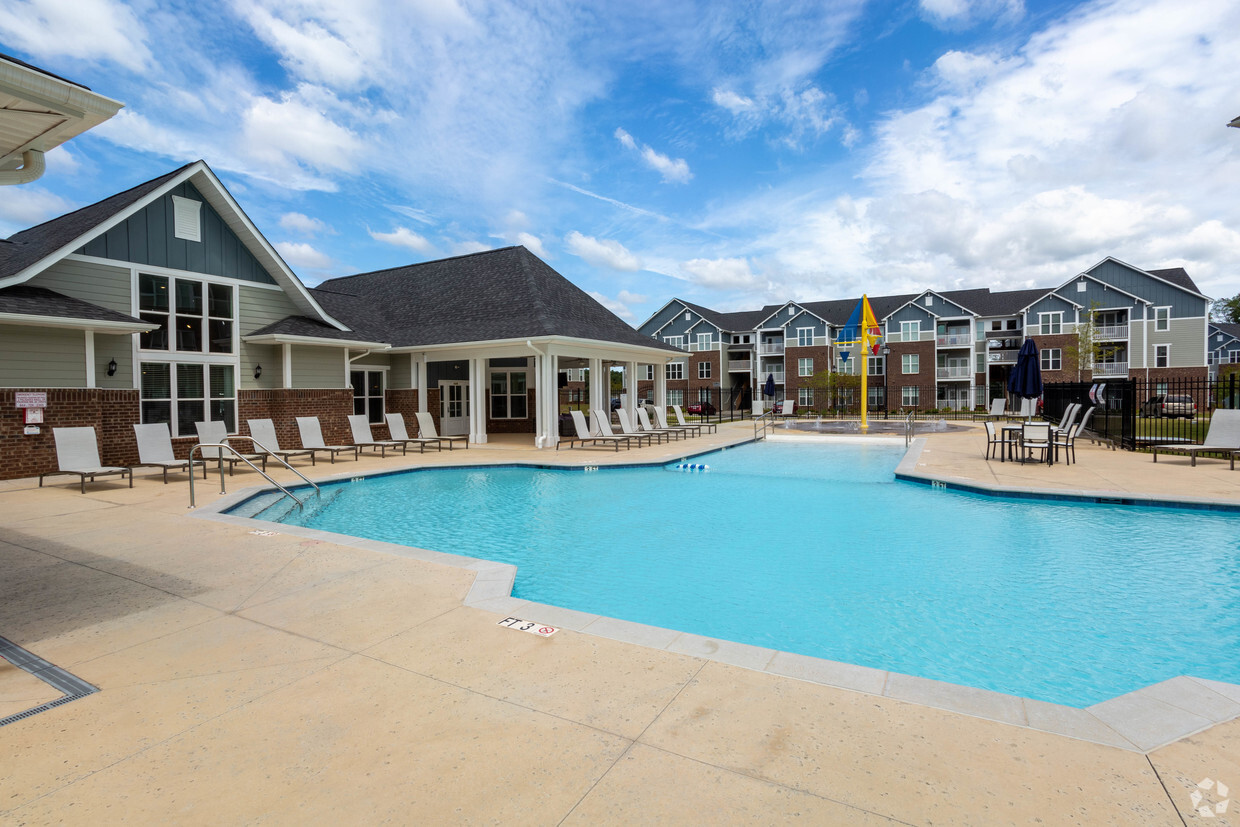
point(1066, 438)
point(215, 432)
point(396, 428)
point(426, 430)
point(689, 429)
point(644, 426)
point(585, 437)
point(155, 449)
point(602, 424)
point(996, 409)
point(1223, 437)
point(627, 429)
point(263, 435)
point(312, 439)
point(363, 438)
point(77, 452)
point(786, 408)
point(680, 420)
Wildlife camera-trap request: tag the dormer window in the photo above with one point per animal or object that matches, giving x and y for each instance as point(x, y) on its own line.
point(187, 218)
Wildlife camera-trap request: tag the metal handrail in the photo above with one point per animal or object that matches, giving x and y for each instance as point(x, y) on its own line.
point(764, 423)
point(910, 429)
point(234, 452)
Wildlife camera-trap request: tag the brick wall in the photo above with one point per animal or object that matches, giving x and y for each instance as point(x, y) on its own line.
point(512, 426)
point(925, 379)
point(822, 361)
point(111, 413)
point(331, 405)
point(405, 403)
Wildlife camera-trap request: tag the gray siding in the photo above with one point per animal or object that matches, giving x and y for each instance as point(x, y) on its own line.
point(1157, 292)
point(270, 357)
point(1052, 304)
point(1186, 337)
point(679, 326)
point(661, 318)
point(805, 320)
point(911, 313)
point(398, 376)
point(147, 238)
point(40, 357)
point(256, 308)
point(95, 283)
point(120, 348)
point(318, 367)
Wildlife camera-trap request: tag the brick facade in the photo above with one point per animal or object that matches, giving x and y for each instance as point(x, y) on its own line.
point(110, 412)
point(405, 403)
point(331, 405)
point(512, 426)
point(925, 380)
point(793, 381)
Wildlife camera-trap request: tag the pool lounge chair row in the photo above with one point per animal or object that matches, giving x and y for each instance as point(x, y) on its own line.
point(77, 449)
point(644, 432)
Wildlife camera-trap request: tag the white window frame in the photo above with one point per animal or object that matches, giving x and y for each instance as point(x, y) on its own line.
point(805, 337)
point(875, 366)
point(910, 331)
point(910, 363)
point(805, 366)
point(1051, 323)
point(675, 370)
point(704, 370)
point(675, 396)
point(1052, 358)
point(647, 372)
point(372, 405)
point(805, 397)
point(509, 394)
point(675, 341)
point(705, 341)
point(1162, 319)
point(1233, 356)
point(910, 396)
point(1163, 352)
point(174, 399)
point(169, 316)
point(848, 367)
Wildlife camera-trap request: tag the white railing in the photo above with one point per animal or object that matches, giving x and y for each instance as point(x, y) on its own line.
point(770, 349)
point(955, 373)
point(740, 364)
point(1001, 355)
point(697, 347)
point(1111, 331)
point(778, 374)
point(955, 340)
point(1110, 369)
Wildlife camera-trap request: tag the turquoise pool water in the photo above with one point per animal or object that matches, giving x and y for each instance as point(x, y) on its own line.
point(817, 549)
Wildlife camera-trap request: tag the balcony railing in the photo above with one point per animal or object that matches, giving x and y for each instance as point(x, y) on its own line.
point(771, 348)
point(955, 340)
point(955, 372)
point(740, 364)
point(1001, 356)
point(1110, 369)
point(778, 374)
point(697, 347)
point(1111, 331)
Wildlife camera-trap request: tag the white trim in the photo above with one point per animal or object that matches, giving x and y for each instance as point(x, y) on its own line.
point(156, 270)
point(1166, 329)
point(1144, 273)
point(288, 339)
point(286, 365)
point(90, 358)
point(73, 324)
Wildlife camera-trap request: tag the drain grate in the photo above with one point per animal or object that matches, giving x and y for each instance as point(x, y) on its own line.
point(69, 685)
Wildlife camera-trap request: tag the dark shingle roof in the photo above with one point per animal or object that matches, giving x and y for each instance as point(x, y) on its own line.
point(305, 326)
point(26, 300)
point(1230, 328)
point(1007, 302)
point(27, 247)
point(499, 294)
point(1177, 276)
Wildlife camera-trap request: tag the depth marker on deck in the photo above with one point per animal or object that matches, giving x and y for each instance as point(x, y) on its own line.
point(528, 626)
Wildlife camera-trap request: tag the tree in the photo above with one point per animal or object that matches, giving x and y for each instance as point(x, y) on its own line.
point(1086, 350)
point(1227, 310)
point(834, 390)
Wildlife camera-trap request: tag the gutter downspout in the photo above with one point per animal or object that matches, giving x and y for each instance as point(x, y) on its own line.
point(31, 169)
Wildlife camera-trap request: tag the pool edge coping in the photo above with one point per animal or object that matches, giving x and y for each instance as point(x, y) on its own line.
point(1140, 721)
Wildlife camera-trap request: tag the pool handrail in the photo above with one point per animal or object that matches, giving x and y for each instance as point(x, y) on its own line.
point(763, 423)
point(910, 428)
point(226, 447)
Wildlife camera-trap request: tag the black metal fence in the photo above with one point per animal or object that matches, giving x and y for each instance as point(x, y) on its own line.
point(1133, 413)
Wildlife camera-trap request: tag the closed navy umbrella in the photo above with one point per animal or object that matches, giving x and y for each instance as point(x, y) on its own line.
point(1026, 378)
point(768, 390)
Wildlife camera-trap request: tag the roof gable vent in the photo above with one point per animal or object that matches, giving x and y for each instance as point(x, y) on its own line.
point(187, 218)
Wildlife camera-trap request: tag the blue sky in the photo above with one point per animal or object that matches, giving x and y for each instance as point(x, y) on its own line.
point(729, 153)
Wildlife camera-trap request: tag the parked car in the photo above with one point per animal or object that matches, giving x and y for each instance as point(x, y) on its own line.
point(702, 408)
point(615, 403)
point(1170, 406)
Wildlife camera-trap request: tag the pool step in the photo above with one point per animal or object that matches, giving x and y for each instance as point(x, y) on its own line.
point(689, 466)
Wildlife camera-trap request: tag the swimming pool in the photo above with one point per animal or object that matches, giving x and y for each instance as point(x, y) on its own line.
point(818, 550)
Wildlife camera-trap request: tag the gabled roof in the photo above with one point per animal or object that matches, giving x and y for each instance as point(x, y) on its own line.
point(38, 305)
point(1229, 328)
point(25, 254)
point(1177, 276)
point(1007, 302)
point(504, 294)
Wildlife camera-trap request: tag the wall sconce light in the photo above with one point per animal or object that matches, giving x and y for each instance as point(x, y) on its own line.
point(258, 371)
point(112, 368)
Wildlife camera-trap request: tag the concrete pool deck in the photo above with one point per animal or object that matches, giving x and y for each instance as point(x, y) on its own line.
point(248, 677)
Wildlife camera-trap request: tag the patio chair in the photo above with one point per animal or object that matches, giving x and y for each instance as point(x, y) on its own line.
point(155, 449)
point(1223, 437)
point(996, 409)
point(584, 437)
point(644, 425)
point(680, 420)
point(1028, 407)
point(363, 438)
point(77, 452)
point(426, 430)
point(689, 429)
point(997, 441)
point(1066, 438)
point(214, 432)
point(312, 439)
point(627, 429)
point(786, 408)
point(602, 422)
point(396, 428)
point(263, 435)
point(1036, 436)
point(1065, 423)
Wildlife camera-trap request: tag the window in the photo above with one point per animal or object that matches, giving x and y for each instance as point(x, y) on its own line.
point(805, 336)
point(705, 341)
point(1162, 318)
point(181, 394)
point(909, 396)
point(1162, 356)
point(805, 367)
point(367, 393)
point(876, 401)
point(1052, 358)
point(1051, 323)
point(675, 397)
point(1160, 388)
point(910, 363)
point(177, 304)
point(910, 331)
point(792, 311)
point(647, 372)
point(186, 218)
point(805, 397)
point(848, 366)
point(874, 365)
point(703, 370)
point(675, 341)
point(997, 324)
point(704, 394)
point(1013, 324)
point(1233, 356)
point(508, 399)
point(929, 301)
point(676, 370)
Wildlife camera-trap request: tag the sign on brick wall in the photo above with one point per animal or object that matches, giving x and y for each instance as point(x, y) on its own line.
point(30, 400)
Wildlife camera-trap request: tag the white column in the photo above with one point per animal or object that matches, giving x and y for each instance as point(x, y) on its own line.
point(421, 381)
point(478, 400)
point(286, 368)
point(630, 382)
point(540, 401)
point(552, 373)
point(660, 386)
point(90, 358)
point(599, 389)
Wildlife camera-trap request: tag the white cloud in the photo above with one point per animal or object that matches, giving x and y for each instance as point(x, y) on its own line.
point(721, 273)
point(290, 128)
point(672, 169)
point(618, 306)
point(298, 254)
point(404, 237)
point(100, 30)
point(462, 248)
point(731, 101)
point(605, 253)
point(304, 225)
point(957, 14)
point(532, 243)
point(26, 206)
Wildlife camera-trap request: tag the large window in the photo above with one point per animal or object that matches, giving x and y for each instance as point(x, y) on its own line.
point(805, 397)
point(805, 336)
point(1052, 358)
point(910, 363)
point(676, 370)
point(508, 395)
point(181, 394)
point(201, 315)
point(367, 393)
point(705, 341)
point(910, 331)
point(805, 367)
point(675, 341)
point(909, 395)
point(675, 397)
point(848, 367)
point(1051, 323)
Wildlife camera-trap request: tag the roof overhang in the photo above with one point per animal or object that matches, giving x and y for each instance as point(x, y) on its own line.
point(551, 345)
point(95, 325)
point(39, 111)
point(313, 341)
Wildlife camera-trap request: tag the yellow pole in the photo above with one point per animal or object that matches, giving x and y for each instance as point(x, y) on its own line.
point(865, 370)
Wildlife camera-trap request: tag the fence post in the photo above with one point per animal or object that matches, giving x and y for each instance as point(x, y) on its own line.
point(1231, 390)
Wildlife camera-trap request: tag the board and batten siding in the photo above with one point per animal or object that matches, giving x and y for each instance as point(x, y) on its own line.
point(41, 357)
point(318, 367)
point(95, 283)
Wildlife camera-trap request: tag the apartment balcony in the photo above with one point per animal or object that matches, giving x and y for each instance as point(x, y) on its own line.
point(1001, 357)
point(778, 374)
point(1111, 331)
point(736, 365)
point(771, 349)
point(955, 340)
point(697, 348)
point(1103, 369)
point(955, 372)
